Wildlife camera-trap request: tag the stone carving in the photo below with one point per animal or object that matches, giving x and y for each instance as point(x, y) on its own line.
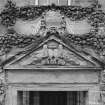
point(94, 16)
point(63, 24)
point(101, 31)
point(54, 53)
point(43, 22)
point(12, 12)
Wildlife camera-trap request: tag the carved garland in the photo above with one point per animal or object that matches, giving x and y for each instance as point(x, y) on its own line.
point(9, 41)
point(75, 13)
point(95, 42)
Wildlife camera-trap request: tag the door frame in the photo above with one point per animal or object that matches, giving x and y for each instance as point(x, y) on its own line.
point(11, 97)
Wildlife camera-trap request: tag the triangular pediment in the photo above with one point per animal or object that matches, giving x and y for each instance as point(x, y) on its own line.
point(52, 53)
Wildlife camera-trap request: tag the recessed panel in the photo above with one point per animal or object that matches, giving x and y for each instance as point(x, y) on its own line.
point(27, 27)
point(53, 77)
point(83, 3)
point(24, 2)
point(78, 27)
point(43, 2)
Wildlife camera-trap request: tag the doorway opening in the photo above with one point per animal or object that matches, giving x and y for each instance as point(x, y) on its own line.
point(52, 97)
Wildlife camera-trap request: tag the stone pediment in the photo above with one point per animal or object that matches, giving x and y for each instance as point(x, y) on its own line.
point(52, 53)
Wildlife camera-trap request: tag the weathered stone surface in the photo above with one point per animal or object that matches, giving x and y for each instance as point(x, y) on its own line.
point(52, 77)
point(28, 79)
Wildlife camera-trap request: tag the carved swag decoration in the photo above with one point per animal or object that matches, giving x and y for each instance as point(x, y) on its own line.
point(95, 16)
point(95, 39)
point(75, 13)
